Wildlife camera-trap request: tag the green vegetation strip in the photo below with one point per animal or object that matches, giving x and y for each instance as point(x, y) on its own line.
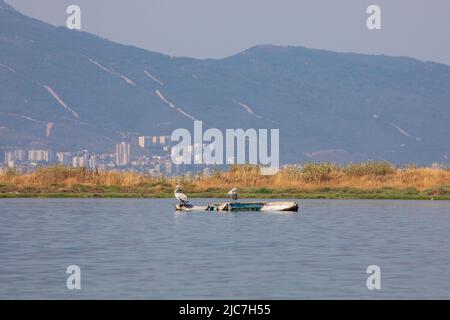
point(304, 195)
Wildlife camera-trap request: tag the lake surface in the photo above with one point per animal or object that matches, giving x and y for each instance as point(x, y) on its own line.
point(142, 249)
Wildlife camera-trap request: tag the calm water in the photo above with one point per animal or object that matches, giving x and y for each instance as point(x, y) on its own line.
point(143, 249)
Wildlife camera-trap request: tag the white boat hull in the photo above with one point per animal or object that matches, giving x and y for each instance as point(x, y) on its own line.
point(242, 206)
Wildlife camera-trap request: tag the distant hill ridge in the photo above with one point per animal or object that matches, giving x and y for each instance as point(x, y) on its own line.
point(69, 89)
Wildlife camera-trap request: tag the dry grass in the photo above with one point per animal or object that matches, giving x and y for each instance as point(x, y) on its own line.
point(316, 176)
point(68, 177)
point(311, 177)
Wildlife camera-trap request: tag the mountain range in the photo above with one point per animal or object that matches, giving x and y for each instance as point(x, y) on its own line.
point(69, 90)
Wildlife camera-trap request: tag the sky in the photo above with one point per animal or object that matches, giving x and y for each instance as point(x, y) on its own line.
point(220, 28)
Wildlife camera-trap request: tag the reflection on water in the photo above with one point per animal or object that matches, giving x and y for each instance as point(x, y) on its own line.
point(144, 249)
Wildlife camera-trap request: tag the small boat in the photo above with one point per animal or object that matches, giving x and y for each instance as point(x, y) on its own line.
point(241, 206)
point(234, 205)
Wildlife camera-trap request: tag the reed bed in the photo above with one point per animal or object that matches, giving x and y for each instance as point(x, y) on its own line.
point(311, 177)
point(319, 176)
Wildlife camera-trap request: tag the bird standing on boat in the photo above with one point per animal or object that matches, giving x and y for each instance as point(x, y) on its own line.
point(233, 194)
point(181, 196)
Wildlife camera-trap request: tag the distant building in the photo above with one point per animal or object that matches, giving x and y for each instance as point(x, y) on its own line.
point(79, 162)
point(14, 156)
point(92, 162)
point(39, 155)
point(20, 155)
point(152, 141)
point(141, 141)
point(9, 157)
point(64, 158)
point(123, 154)
point(146, 141)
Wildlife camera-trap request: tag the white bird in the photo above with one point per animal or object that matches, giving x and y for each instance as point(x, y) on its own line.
point(181, 196)
point(233, 194)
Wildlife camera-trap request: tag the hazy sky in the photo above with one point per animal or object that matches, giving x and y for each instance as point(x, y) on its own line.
point(219, 28)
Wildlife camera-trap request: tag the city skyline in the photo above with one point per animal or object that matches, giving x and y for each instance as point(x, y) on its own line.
point(144, 154)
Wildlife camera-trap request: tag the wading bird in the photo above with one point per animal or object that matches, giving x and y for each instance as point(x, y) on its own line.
point(233, 194)
point(181, 196)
